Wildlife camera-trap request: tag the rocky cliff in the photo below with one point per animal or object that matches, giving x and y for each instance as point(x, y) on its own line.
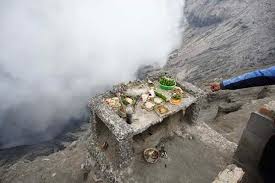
point(223, 38)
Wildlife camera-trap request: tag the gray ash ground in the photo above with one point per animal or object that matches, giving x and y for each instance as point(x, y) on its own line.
point(28, 153)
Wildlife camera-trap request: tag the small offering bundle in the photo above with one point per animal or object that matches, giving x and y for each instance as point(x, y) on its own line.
point(167, 83)
point(176, 99)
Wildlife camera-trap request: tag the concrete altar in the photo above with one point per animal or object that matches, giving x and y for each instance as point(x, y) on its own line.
point(120, 138)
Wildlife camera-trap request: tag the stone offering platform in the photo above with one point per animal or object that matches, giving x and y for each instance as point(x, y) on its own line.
point(113, 142)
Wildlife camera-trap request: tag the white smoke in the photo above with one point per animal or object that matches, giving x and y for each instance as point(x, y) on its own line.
point(55, 54)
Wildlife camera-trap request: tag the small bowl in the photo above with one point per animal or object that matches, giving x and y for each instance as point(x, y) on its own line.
point(176, 101)
point(165, 87)
point(151, 155)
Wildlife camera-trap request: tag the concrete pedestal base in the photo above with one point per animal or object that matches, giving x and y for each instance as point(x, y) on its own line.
point(258, 131)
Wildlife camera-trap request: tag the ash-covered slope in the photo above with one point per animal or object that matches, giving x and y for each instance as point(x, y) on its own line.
point(223, 38)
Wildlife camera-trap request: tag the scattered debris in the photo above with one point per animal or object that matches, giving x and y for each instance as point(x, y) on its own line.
point(104, 146)
point(96, 178)
point(163, 153)
point(73, 145)
point(87, 165)
point(184, 135)
point(268, 109)
point(190, 137)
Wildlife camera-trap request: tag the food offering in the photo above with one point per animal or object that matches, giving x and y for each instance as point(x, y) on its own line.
point(176, 99)
point(149, 106)
point(178, 90)
point(151, 96)
point(151, 155)
point(167, 83)
point(161, 110)
point(127, 100)
point(144, 97)
point(113, 102)
point(158, 100)
point(162, 95)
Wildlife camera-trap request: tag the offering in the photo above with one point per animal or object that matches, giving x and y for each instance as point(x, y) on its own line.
point(113, 102)
point(158, 100)
point(177, 90)
point(161, 110)
point(144, 97)
point(149, 106)
point(167, 83)
point(176, 99)
point(127, 100)
point(151, 155)
point(161, 95)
